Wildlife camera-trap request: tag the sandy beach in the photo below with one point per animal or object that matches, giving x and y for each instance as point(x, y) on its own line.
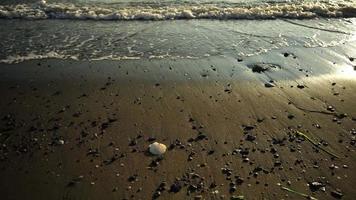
point(234, 128)
point(177, 100)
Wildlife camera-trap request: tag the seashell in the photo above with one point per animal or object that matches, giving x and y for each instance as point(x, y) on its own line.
point(60, 142)
point(157, 148)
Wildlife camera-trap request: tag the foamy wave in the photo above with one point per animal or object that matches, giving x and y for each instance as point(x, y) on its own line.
point(199, 11)
point(33, 56)
point(54, 55)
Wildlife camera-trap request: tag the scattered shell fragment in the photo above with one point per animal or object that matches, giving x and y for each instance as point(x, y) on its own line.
point(157, 148)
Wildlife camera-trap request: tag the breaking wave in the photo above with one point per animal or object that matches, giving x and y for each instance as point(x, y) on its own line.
point(33, 56)
point(178, 11)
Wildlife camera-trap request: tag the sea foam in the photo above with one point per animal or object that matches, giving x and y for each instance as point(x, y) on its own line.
point(43, 10)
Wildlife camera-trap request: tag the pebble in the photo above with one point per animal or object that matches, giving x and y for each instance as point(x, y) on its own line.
point(300, 86)
point(262, 67)
point(175, 187)
point(290, 116)
point(269, 85)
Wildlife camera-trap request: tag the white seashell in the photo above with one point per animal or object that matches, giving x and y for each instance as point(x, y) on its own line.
point(157, 148)
point(60, 142)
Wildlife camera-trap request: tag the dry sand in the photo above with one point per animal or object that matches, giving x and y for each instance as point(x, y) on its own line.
point(80, 130)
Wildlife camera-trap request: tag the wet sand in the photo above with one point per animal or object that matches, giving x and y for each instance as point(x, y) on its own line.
point(80, 130)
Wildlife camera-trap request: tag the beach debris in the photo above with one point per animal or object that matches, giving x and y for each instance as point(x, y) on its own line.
point(262, 67)
point(300, 134)
point(157, 148)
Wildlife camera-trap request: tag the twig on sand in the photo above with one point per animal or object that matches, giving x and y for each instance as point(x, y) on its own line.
point(298, 133)
point(299, 193)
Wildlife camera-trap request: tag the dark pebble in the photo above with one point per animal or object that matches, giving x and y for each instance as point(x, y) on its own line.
point(175, 187)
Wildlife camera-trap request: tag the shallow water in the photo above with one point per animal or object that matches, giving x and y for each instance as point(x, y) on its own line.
point(116, 29)
point(117, 40)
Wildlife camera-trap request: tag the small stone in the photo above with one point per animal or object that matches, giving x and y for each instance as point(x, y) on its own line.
point(290, 116)
point(175, 187)
point(269, 85)
point(300, 86)
point(262, 67)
